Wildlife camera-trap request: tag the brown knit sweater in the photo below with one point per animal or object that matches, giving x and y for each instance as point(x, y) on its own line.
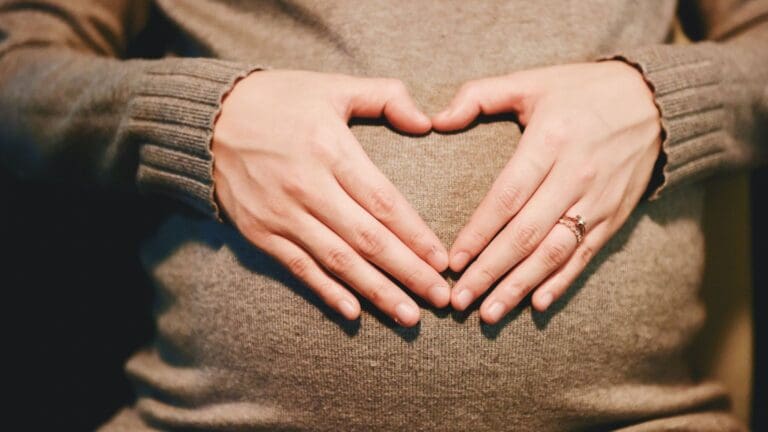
point(123, 94)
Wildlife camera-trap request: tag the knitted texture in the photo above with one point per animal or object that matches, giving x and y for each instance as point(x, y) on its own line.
point(691, 95)
point(172, 116)
point(243, 345)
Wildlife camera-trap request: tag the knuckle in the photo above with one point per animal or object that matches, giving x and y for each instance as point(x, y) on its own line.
point(281, 215)
point(382, 202)
point(585, 254)
point(539, 164)
point(416, 238)
point(554, 255)
point(253, 227)
point(316, 134)
point(396, 86)
point(413, 278)
point(562, 124)
point(323, 146)
point(527, 98)
point(468, 89)
point(420, 242)
point(614, 203)
point(252, 170)
point(557, 285)
point(338, 261)
point(527, 237)
point(369, 240)
point(478, 237)
point(296, 187)
point(261, 239)
point(248, 223)
point(516, 290)
point(268, 242)
point(375, 293)
point(508, 199)
point(487, 276)
point(628, 203)
point(299, 266)
point(324, 290)
point(587, 174)
point(327, 152)
point(283, 225)
point(555, 136)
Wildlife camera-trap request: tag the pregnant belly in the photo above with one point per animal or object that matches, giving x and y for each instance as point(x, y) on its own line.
point(243, 344)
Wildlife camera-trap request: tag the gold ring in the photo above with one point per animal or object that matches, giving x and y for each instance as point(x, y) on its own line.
point(576, 225)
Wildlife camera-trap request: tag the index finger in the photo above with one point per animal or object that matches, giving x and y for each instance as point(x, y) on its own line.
point(518, 180)
point(367, 185)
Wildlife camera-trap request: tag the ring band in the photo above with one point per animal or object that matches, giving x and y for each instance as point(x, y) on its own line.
point(576, 225)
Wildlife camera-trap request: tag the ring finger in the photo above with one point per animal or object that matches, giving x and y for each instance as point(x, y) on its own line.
point(376, 243)
point(341, 259)
point(520, 236)
point(304, 267)
point(558, 282)
point(556, 248)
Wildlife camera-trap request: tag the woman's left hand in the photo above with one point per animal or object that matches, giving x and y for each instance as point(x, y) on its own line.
point(592, 136)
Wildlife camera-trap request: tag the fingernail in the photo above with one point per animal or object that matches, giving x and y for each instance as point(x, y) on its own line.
point(439, 259)
point(463, 299)
point(347, 309)
point(439, 294)
point(406, 313)
point(460, 260)
point(546, 300)
point(495, 311)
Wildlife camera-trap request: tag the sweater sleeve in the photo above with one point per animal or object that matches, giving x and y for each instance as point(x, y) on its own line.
point(712, 94)
point(74, 109)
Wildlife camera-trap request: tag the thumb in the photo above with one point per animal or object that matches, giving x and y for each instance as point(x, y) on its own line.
point(372, 97)
point(495, 95)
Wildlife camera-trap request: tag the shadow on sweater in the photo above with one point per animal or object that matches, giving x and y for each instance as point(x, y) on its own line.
point(661, 214)
point(193, 228)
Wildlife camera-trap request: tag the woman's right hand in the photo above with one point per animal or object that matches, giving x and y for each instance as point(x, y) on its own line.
point(295, 182)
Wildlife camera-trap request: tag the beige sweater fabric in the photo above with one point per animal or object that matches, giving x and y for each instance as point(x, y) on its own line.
point(124, 93)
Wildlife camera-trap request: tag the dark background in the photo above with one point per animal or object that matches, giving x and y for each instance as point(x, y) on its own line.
point(78, 299)
point(80, 304)
point(759, 191)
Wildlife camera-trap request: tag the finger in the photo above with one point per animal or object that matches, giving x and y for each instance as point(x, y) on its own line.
point(342, 260)
point(374, 242)
point(492, 95)
point(522, 175)
point(372, 97)
point(550, 255)
point(520, 237)
point(558, 282)
point(306, 269)
point(365, 183)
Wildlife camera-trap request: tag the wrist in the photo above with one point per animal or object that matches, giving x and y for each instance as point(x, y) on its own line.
point(647, 91)
point(225, 101)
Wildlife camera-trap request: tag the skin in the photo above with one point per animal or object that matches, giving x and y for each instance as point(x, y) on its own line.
point(591, 138)
point(295, 182)
point(292, 178)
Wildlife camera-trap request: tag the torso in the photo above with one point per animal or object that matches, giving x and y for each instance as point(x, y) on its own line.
point(241, 340)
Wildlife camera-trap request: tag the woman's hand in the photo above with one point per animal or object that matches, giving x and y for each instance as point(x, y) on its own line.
point(294, 180)
point(591, 139)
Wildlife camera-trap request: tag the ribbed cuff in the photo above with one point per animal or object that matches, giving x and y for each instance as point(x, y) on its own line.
point(171, 115)
point(687, 87)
